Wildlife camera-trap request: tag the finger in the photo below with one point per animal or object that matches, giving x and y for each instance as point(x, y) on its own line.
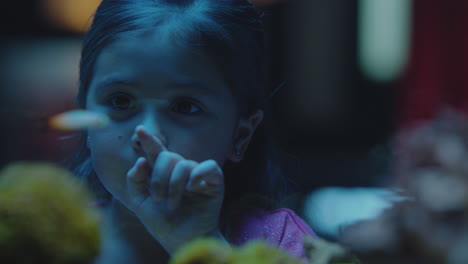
point(207, 177)
point(160, 176)
point(137, 180)
point(179, 177)
point(150, 144)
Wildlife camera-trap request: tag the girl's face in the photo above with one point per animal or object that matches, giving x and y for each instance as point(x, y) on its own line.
point(178, 95)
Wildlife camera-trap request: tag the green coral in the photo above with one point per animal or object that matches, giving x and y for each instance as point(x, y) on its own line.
point(45, 216)
point(260, 252)
point(212, 251)
point(206, 251)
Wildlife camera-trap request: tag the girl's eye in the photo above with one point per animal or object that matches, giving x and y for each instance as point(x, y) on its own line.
point(186, 108)
point(120, 101)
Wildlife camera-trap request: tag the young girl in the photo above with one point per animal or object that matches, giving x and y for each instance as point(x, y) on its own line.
point(182, 82)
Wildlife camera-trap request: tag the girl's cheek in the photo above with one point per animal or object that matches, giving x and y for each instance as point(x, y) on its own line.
point(202, 147)
point(105, 148)
point(110, 166)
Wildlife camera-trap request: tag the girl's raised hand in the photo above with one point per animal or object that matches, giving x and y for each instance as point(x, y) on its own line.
point(176, 199)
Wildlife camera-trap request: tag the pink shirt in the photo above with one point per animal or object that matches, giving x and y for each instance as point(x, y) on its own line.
point(280, 227)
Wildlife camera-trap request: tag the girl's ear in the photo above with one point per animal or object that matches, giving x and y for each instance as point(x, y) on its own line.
point(244, 133)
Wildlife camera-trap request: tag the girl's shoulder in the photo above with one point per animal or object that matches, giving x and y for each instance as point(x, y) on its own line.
point(280, 227)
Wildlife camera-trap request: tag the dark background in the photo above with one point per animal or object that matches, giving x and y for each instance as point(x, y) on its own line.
point(339, 130)
point(331, 116)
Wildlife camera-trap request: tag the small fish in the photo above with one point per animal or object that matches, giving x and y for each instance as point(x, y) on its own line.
point(78, 119)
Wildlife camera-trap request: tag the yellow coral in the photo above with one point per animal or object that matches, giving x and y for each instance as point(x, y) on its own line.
point(260, 252)
point(203, 251)
point(45, 216)
point(212, 251)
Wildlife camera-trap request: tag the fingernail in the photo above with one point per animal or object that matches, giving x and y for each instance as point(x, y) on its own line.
point(130, 171)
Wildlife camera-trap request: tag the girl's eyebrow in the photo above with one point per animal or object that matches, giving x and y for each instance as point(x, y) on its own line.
point(186, 84)
point(191, 85)
point(109, 82)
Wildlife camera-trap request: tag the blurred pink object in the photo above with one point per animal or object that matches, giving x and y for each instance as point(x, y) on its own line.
point(280, 227)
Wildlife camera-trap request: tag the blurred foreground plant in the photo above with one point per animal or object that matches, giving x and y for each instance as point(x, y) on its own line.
point(432, 226)
point(45, 216)
point(320, 251)
point(212, 251)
